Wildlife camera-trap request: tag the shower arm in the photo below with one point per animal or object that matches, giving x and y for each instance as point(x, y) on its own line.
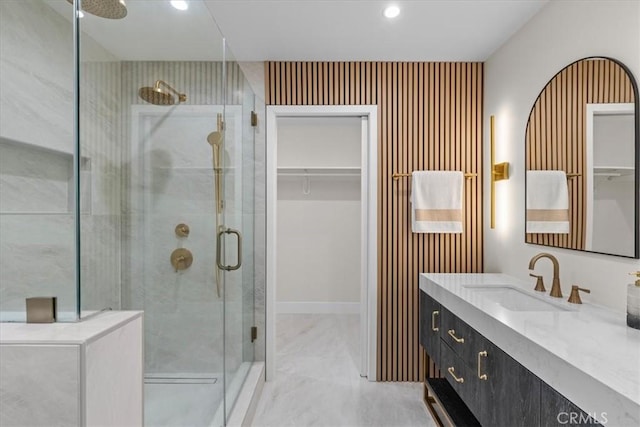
point(181, 96)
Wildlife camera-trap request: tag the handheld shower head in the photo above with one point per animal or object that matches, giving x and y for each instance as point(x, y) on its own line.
point(110, 9)
point(155, 95)
point(215, 140)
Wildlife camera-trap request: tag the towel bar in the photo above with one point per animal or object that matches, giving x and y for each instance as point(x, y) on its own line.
point(396, 176)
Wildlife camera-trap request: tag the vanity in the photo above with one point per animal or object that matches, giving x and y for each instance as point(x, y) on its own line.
point(510, 356)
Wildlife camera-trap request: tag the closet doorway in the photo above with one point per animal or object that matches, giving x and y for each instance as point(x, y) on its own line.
point(304, 178)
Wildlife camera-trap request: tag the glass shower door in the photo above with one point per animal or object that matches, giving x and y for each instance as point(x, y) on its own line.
point(173, 245)
point(235, 236)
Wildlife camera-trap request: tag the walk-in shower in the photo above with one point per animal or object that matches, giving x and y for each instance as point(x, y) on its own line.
point(121, 200)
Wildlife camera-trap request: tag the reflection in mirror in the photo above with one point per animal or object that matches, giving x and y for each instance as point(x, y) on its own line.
point(582, 160)
point(610, 173)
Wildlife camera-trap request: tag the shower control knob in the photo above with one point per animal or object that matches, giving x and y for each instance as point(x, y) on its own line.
point(182, 230)
point(181, 259)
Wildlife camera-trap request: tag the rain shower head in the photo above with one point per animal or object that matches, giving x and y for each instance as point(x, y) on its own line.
point(155, 95)
point(110, 9)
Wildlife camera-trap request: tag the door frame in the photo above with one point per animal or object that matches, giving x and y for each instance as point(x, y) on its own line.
point(618, 108)
point(369, 226)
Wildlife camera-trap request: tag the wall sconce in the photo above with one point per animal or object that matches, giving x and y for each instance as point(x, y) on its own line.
point(499, 172)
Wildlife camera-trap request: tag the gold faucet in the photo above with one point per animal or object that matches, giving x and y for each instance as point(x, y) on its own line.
point(574, 298)
point(556, 291)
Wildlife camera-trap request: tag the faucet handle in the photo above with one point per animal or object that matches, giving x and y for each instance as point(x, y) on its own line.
point(574, 298)
point(539, 283)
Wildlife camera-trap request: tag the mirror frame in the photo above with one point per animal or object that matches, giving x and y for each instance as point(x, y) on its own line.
point(636, 103)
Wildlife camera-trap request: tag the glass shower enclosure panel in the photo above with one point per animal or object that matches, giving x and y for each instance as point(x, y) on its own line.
point(236, 234)
point(37, 144)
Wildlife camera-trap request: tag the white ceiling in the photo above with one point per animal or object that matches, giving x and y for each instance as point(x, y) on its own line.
point(319, 30)
point(310, 30)
point(153, 31)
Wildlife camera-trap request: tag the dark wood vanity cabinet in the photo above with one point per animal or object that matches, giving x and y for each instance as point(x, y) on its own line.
point(495, 388)
point(557, 410)
point(510, 394)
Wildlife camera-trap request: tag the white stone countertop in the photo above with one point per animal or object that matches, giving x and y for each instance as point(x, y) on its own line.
point(65, 333)
point(587, 353)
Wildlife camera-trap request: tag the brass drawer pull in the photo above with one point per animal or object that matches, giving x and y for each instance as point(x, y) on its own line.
point(480, 375)
point(453, 374)
point(433, 320)
point(452, 333)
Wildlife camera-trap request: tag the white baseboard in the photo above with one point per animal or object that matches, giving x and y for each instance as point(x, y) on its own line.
point(317, 307)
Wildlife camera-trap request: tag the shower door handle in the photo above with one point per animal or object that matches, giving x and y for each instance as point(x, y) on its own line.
point(219, 250)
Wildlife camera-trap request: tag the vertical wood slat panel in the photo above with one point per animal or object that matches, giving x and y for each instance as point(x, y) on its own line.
point(556, 133)
point(429, 118)
point(419, 164)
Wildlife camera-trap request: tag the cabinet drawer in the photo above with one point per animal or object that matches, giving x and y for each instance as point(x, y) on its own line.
point(460, 377)
point(461, 338)
point(430, 319)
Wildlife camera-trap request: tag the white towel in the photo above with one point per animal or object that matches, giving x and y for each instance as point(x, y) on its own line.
point(436, 198)
point(547, 202)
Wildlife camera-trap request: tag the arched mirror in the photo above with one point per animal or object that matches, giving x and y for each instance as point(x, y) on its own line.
point(582, 160)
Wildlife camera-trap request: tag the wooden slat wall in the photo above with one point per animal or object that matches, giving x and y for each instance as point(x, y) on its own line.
point(556, 133)
point(429, 118)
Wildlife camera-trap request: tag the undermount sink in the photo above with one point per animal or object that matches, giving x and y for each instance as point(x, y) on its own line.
point(515, 299)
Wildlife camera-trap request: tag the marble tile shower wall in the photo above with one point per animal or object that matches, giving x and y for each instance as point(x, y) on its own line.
point(36, 65)
point(37, 255)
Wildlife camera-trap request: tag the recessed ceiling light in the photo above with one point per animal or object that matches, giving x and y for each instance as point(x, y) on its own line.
point(392, 11)
point(180, 4)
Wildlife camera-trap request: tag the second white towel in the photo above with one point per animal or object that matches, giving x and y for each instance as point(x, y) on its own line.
point(436, 198)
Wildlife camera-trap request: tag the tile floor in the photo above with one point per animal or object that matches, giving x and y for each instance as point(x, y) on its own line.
point(317, 381)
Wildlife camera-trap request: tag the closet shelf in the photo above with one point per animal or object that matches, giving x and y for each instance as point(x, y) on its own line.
point(613, 171)
point(318, 171)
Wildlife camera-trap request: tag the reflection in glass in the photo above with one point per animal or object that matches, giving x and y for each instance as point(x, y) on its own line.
point(610, 178)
